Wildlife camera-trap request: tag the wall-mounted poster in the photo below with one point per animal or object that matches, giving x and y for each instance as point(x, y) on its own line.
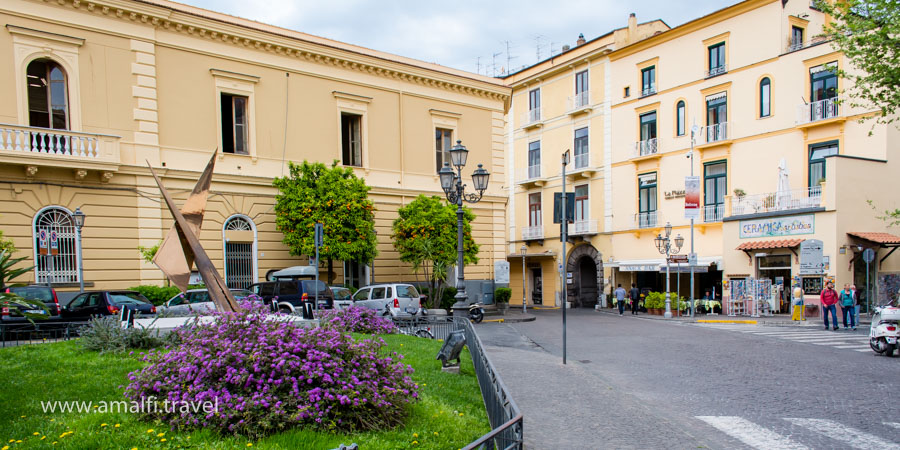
point(778, 226)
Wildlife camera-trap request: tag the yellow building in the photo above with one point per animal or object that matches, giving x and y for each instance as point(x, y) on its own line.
point(780, 160)
point(96, 90)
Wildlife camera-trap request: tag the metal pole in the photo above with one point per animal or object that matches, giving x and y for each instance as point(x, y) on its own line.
point(80, 263)
point(462, 298)
point(668, 314)
point(524, 286)
point(868, 293)
point(317, 275)
point(564, 237)
point(691, 255)
point(678, 286)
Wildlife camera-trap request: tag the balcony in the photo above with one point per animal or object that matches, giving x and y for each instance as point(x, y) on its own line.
point(716, 71)
point(32, 146)
point(532, 118)
point(645, 220)
point(648, 91)
point(579, 103)
point(534, 233)
point(583, 228)
point(715, 134)
point(820, 111)
point(529, 175)
point(645, 148)
point(713, 213)
point(793, 46)
point(777, 201)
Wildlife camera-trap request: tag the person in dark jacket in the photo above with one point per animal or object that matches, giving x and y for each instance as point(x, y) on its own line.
point(635, 299)
point(829, 298)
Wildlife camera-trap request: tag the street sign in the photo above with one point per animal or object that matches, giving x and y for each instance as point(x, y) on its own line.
point(678, 259)
point(812, 261)
point(54, 243)
point(868, 255)
point(42, 242)
point(692, 259)
point(319, 234)
point(557, 207)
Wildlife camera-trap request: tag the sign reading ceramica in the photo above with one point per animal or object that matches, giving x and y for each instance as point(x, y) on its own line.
point(778, 226)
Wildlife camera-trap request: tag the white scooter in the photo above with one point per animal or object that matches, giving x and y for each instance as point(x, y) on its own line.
point(884, 333)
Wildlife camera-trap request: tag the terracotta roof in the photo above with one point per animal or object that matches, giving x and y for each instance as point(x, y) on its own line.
point(881, 238)
point(781, 243)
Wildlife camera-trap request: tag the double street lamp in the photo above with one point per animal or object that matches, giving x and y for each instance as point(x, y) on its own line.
point(79, 223)
point(666, 246)
point(454, 189)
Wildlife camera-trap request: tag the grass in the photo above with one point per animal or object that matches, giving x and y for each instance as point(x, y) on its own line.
point(449, 414)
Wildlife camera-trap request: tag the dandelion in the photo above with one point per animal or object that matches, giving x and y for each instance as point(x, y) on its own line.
point(460, 414)
point(415, 442)
point(117, 425)
point(5, 447)
point(435, 433)
point(102, 425)
point(35, 434)
point(150, 430)
point(415, 435)
point(22, 417)
point(160, 434)
point(43, 437)
point(249, 444)
point(95, 406)
point(53, 420)
point(162, 440)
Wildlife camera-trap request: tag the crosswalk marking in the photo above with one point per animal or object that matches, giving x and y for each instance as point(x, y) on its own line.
point(843, 340)
point(893, 424)
point(839, 432)
point(750, 433)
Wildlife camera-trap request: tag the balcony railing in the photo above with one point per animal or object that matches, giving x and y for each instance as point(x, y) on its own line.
point(45, 142)
point(528, 173)
point(713, 213)
point(777, 201)
point(582, 160)
point(583, 227)
point(579, 101)
point(646, 147)
point(719, 70)
point(820, 110)
point(648, 91)
point(532, 233)
point(645, 219)
point(715, 133)
point(532, 116)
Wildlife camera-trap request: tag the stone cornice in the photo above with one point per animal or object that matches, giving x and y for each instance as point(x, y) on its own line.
point(198, 26)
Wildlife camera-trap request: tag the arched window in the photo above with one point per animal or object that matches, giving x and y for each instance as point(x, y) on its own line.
point(48, 105)
point(63, 266)
point(679, 117)
point(239, 235)
point(765, 97)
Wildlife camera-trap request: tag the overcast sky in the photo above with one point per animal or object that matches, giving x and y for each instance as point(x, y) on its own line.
point(457, 33)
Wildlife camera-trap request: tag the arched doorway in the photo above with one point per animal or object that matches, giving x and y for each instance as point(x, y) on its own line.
point(585, 264)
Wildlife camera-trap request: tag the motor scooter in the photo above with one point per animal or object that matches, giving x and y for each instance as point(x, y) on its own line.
point(476, 312)
point(884, 332)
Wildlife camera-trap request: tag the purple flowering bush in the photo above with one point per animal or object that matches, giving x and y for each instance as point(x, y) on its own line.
point(356, 319)
point(268, 375)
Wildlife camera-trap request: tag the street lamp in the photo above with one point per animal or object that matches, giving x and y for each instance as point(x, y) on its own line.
point(524, 250)
point(665, 246)
point(454, 189)
point(79, 223)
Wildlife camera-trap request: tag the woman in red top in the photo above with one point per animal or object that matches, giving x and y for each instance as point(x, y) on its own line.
point(829, 298)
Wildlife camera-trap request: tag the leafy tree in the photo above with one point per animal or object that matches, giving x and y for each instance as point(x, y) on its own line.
point(889, 217)
point(6, 244)
point(868, 33)
point(334, 197)
point(147, 253)
point(15, 301)
point(425, 236)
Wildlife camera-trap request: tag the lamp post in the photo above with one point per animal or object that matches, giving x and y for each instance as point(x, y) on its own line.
point(524, 250)
point(665, 246)
point(79, 223)
point(454, 189)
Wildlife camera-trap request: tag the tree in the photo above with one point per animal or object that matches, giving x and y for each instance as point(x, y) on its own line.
point(6, 244)
point(334, 197)
point(868, 33)
point(147, 253)
point(425, 236)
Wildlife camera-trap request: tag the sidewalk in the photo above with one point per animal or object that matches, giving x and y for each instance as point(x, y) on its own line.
point(781, 320)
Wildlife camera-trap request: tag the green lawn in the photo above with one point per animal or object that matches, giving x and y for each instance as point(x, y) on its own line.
point(449, 413)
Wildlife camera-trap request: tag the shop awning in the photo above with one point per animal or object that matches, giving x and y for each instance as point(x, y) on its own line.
point(885, 239)
point(760, 245)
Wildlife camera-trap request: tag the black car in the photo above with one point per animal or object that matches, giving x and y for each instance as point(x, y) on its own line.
point(106, 303)
point(291, 292)
point(42, 293)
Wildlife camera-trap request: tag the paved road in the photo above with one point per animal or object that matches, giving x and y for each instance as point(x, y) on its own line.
point(632, 382)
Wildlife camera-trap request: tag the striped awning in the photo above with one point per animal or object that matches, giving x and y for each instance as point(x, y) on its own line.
point(717, 96)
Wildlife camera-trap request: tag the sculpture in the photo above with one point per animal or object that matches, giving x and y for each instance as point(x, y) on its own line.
point(451, 349)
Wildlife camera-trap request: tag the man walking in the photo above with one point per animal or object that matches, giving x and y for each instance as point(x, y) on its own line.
point(829, 298)
point(620, 299)
point(635, 299)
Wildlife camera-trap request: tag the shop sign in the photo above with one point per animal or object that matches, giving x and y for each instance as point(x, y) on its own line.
point(812, 261)
point(778, 226)
point(683, 268)
point(692, 198)
point(638, 268)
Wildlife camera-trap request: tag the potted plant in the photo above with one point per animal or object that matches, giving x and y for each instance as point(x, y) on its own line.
point(739, 193)
point(655, 302)
point(501, 299)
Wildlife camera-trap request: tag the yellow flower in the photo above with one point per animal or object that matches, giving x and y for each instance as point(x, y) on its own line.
point(415, 435)
point(19, 441)
point(151, 430)
point(117, 425)
point(249, 444)
point(460, 414)
point(35, 433)
point(160, 434)
point(24, 416)
point(417, 442)
point(5, 447)
point(95, 406)
point(162, 440)
point(43, 437)
point(135, 448)
point(102, 424)
point(426, 384)
point(435, 433)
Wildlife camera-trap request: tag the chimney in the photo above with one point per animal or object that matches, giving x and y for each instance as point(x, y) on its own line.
point(632, 28)
point(580, 39)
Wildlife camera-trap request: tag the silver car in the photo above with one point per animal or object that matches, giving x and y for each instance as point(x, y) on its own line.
point(195, 301)
point(390, 298)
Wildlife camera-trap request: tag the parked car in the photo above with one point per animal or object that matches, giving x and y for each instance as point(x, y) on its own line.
point(42, 293)
point(388, 297)
point(195, 301)
point(289, 294)
point(343, 297)
point(106, 303)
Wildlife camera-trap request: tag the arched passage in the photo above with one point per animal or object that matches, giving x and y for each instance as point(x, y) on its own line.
point(585, 264)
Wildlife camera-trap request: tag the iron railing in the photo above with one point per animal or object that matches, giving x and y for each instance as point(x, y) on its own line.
point(26, 333)
point(582, 160)
point(645, 147)
point(714, 213)
point(535, 232)
point(645, 219)
point(716, 132)
point(819, 110)
point(586, 226)
point(717, 70)
point(439, 326)
point(810, 197)
point(503, 413)
point(579, 101)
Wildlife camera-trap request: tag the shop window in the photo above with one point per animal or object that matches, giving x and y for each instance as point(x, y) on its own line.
point(817, 154)
point(812, 285)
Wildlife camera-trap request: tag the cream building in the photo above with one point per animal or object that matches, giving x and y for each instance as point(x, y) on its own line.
point(758, 82)
point(97, 89)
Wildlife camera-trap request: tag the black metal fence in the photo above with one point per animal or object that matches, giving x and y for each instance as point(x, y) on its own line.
point(436, 327)
point(26, 333)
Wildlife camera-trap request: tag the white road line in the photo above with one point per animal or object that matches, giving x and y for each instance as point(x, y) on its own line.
point(750, 433)
point(859, 350)
point(839, 432)
point(866, 346)
point(893, 424)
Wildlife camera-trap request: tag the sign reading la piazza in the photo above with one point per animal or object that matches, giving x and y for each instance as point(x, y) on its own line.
point(778, 226)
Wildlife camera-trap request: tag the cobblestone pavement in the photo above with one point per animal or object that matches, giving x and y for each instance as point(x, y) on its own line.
point(635, 383)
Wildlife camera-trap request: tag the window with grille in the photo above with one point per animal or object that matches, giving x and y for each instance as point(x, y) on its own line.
point(62, 267)
point(239, 260)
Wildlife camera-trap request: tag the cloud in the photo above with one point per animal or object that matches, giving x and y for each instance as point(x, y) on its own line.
point(457, 34)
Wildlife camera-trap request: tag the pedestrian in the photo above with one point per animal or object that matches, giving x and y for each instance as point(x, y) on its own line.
point(855, 304)
point(635, 299)
point(620, 299)
point(829, 298)
point(847, 307)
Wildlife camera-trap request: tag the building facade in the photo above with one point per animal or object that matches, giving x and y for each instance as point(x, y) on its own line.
point(98, 90)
